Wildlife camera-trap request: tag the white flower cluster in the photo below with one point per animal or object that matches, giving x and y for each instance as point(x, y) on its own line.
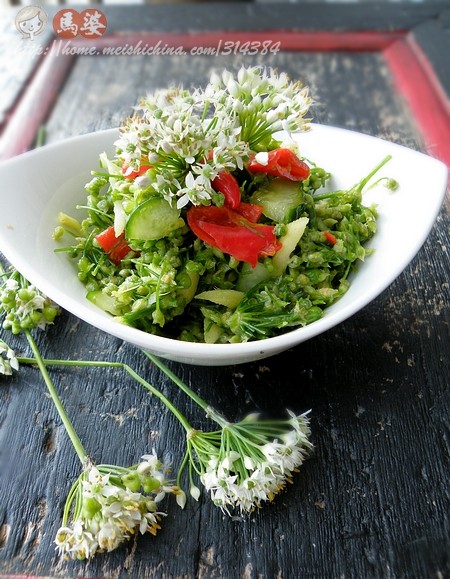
point(185, 150)
point(24, 306)
point(189, 137)
point(8, 360)
point(252, 465)
point(262, 102)
point(109, 509)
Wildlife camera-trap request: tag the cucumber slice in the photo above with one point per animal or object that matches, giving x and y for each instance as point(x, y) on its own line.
point(280, 199)
point(289, 242)
point(188, 293)
point(212, 332)
point(104, 301)
point(153, 219)
point(223, 297)
point(251, 276)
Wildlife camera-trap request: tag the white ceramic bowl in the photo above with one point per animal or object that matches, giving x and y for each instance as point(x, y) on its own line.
point(37, 185)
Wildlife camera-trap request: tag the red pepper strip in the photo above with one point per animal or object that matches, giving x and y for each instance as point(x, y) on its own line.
point(232, 233)
point(227, 184)
point(330, 237)
point(281, 163)
point(116, 248)
point(250, 211)
point(129, 173)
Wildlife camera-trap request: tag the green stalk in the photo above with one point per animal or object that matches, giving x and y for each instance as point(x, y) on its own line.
point(192, 395)
point(182, 419)
point(107, 176)
point(40, 137)
point(78, 446)
point(366, 179)
point(358, 187)
point(182, 467)
point(101, 364)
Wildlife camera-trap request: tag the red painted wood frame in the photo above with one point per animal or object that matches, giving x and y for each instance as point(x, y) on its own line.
point(413, 74)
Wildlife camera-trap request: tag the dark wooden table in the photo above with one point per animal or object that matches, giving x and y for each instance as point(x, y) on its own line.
point(371, 501)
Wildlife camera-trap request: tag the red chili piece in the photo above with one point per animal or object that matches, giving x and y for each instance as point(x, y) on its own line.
point(281, 163)
point(232, 233)
point(227, 184)
point(116, 248)
point(330, 237)
point(129, 173)
point(250, 211)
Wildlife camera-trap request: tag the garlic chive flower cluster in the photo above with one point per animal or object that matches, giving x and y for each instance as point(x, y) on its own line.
point(187, 138)
point(23, 305)
point(247, 463)
point(242, 464)
point(261, 102)
point(8, 359)
point(108, 505)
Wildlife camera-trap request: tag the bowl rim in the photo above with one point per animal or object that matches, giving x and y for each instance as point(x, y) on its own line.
point(256, 349)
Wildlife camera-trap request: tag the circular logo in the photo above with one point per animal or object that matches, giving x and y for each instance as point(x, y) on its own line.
point(67, 23)
point(93, 23)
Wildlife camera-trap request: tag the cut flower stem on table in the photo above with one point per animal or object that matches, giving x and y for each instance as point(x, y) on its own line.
point(107, 504)
point(240, 464)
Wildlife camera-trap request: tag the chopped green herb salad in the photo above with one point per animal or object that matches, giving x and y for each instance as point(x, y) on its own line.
point(205, 227)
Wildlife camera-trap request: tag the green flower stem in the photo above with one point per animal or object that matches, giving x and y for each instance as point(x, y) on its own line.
point(211, 413)
point(359, 186)
point(78, 446)
point(368, 177)
point(183, 464)
point(74, 495)
point(182, 419)
point(92, 363)
point(40, 137)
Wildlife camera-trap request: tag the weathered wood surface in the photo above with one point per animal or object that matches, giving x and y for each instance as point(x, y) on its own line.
point(371, 501)
point(20, 57)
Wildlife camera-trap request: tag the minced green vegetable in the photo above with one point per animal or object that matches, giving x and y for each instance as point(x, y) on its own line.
point(150, 289)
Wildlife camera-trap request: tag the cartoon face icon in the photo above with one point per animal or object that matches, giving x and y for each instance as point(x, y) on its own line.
point(31, 21)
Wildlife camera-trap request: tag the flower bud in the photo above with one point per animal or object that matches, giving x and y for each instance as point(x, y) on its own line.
point(91, 506)
point(150, 484)
point(132, 481)
point(195, 492)
point(181, 498)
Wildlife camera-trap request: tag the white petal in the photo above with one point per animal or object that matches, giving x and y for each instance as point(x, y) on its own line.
point(195, 492)
point(181, 499)
point(262, 158)
point(120, 218)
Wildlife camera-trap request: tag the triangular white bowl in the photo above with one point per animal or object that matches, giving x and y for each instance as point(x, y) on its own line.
point(35, 186)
